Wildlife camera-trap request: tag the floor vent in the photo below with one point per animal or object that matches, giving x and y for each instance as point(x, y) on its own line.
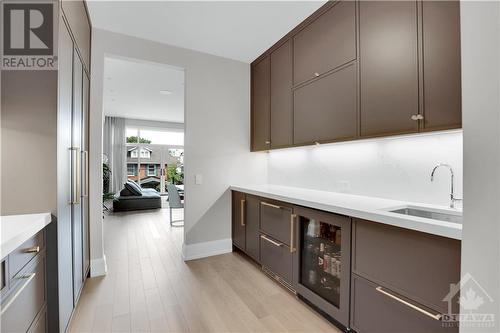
point(277, 278)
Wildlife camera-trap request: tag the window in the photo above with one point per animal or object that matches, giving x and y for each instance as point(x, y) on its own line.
point(145, 153)
point(133, 153)
point(131, 169)
point(151, 169)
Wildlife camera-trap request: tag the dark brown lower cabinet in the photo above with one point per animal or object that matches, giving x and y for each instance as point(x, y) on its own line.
point(322, 263)
point(374, 311)
point(238, 220)
point(252, 227)
point(276, 257)
point(364, 275)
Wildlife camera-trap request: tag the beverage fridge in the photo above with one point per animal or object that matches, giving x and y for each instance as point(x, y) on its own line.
point(322, 261)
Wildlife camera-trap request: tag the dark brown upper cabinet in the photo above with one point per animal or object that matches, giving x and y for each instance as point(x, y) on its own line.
point(328, 42)
point(261, 105)
point(325, 109)
point(359, 69)
point(281, 96)
point(388, 68)
point(441, 65)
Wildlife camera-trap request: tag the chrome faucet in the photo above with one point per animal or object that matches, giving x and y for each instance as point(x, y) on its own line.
point(452, 193)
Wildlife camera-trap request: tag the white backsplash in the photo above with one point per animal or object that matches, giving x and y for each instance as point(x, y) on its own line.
point(394, 168)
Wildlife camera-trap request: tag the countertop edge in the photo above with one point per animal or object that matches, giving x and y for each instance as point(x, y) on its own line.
point(371, 215)
point(39, 221)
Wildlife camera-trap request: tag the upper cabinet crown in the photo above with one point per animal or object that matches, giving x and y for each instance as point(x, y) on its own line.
point(357, 69)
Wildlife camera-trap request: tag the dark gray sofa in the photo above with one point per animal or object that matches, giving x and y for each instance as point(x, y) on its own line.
point(132, 197)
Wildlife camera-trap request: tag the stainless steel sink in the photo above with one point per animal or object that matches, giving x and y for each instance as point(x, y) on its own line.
point(428, 213)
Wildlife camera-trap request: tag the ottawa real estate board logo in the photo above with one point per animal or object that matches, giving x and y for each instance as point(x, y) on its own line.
point(28, 35)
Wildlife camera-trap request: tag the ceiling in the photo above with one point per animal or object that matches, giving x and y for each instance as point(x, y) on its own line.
point(239, 30)
point(132, 90)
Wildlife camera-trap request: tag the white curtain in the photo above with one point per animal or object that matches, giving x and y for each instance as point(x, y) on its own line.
point(115, 150)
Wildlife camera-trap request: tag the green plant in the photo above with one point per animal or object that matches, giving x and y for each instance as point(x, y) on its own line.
point(133, 139)
point(106, 177)
point(175, 174)
point(107, 196)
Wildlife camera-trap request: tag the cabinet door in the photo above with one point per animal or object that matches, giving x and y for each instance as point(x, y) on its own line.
point(61, 286)
point(238, 220)
point(326, 43)
point(441, 65)
point(261, 117)
point(389, 67)
point(85, 175)
point(77, 221)
point(76, 14)
point(281, 96)
point(325, 109)
point(252, 212)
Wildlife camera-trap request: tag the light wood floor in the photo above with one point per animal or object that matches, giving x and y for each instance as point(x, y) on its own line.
point(149, 288)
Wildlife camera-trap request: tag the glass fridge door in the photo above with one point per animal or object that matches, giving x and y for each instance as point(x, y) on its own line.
point(321, 258)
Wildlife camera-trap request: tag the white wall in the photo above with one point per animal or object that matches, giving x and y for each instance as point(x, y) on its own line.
point(480, 35)
point(395, 168)
point(217, 116)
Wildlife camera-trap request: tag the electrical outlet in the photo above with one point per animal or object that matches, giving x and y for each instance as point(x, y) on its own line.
point(198, 179)
point(344, 186)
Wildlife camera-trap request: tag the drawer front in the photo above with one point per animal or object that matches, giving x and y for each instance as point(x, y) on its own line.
point(26, 298)
point(24, 253)
point(326, 43)
point(417, 265)
point(374, 311)
point(276, 256)
point(275, 220)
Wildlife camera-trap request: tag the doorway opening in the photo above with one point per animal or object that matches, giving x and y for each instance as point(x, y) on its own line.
point(143, 143)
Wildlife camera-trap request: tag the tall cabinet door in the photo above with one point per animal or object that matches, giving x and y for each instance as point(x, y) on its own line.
point(85, 175)
point(388, 67)
point(238, 220)
point(281, 96)
point(441, 65)
point(77, 122)
point(61, 287)
point(261, 108)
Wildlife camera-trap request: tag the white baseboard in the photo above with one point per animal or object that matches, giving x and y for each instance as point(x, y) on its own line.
point(98, 267)
point(206, 249)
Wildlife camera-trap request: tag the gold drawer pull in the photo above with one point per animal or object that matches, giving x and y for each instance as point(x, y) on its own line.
point(270, 205)
point(414, 307)
point(34, 249)
point(270, 240)
point(12, 298)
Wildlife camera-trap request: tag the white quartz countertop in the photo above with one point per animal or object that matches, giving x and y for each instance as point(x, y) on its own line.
point(16, 229)
point(363, 207)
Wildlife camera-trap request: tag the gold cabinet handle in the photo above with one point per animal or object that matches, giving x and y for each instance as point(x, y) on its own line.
point(271, 241)
point(414, 307)
point(242, 212)
point(270, 205)
point(292, 227)
point(8, 302)
point(268, 142)
point(417, 117)
point(34, 249)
